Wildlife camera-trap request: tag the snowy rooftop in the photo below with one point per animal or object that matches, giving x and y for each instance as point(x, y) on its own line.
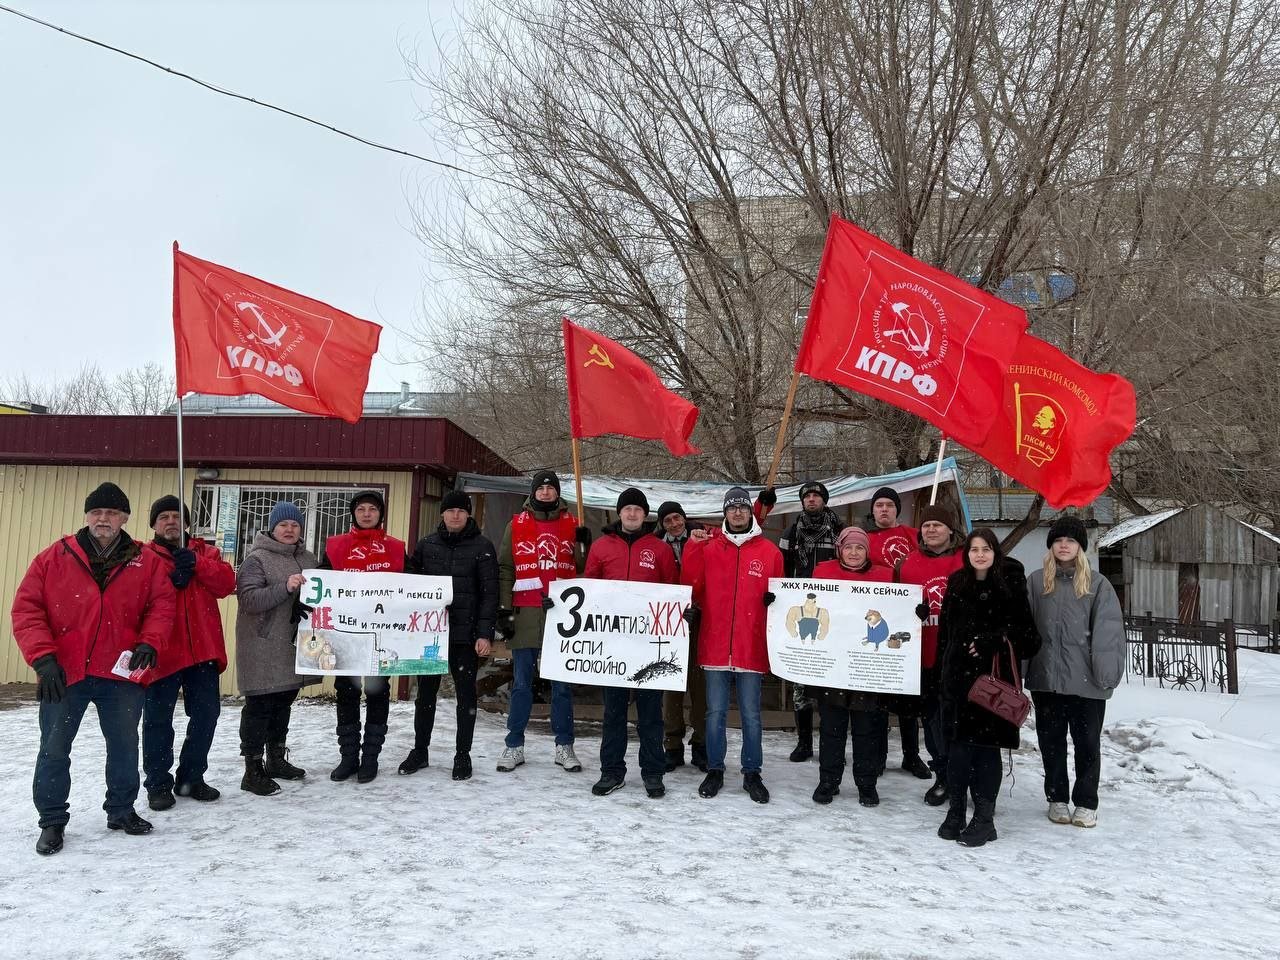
point(1136, 525)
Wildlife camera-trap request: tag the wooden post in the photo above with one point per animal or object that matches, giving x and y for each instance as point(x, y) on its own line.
point(1233, 667)
point(1149, 635)
point(937, 470)
point(577, 479)
point(782, 429)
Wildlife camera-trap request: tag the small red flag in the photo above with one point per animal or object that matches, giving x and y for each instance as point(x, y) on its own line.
point(1058, 425)
point(611, 390)
point(236, 334)
point(886, 325)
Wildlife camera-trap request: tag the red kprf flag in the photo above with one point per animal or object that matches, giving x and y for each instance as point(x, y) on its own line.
point(1058, 425)
point(236, 334)
point(886, 325)
point(611, 390)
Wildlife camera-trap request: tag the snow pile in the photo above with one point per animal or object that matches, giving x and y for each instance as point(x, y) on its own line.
point(529, 864)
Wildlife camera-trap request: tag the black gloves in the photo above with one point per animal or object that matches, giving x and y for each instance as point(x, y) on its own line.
point(768, 597)
point(547, 602)
point(768, 497)
point(51, 681)
point(506, 626)
point(583, 536)
point(299, 611)
point(144, 657)
point(184, 567)
point(692, 615)
point(923, 611)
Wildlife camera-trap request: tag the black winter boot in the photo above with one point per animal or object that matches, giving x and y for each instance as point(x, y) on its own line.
point(461, 766)
point(50, 841)
point(711, 783)
point(954, 823)
point(804, 735)
point(754, 785)
point(916, 767)
point(130, 823)
point(982, 828)
point(936, 795)
point(826, 791)
point(349, 750)
point(277, 763)
point(198, 790)
point(160, 799)
point(868, 796)
point(374, 735)
point(256, 779)
point(417, 759)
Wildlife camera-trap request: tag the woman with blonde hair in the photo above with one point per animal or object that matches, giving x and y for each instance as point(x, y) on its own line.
point(1080, 663)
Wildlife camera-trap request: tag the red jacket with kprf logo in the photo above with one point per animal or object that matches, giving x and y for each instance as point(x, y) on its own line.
point(931, 572)
point(59, 609)
point(729, 583)
point(366, 551)
point(891, 546)
point(645, 560)
point(197, 628)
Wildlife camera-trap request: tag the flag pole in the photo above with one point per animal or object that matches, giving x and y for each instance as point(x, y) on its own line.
point(782, 429)
point(937, 470)
point(182, 504)
point(577, 478)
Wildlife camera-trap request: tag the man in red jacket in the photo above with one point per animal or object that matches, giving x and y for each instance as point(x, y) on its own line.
point(92, 616)
point(730, 575)
point(195, 657)
point(937, 556)
point(629, 550)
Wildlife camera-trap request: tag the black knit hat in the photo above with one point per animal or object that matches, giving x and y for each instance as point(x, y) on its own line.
point(167, 503)
point(455, 500)
point(631, 497)
point(938, 512)
point(887, 493)
point(543, 477)
point(737, 497)
point(814, 486)
point(669, 507)
point(107, 497)
point(1068, 526)
point(368, 496)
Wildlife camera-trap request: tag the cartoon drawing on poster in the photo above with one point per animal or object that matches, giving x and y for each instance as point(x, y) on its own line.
point(617, 633)
point(849, 635)
point(374, 624)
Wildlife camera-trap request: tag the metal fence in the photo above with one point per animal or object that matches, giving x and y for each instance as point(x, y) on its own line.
point(1192, 656)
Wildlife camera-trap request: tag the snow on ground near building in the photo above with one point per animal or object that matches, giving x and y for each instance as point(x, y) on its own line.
point(529, 864)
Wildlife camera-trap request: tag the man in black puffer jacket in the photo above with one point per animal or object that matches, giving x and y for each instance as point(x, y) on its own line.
point(457, 549)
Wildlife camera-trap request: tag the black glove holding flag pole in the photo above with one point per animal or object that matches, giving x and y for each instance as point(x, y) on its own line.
point(184, 567)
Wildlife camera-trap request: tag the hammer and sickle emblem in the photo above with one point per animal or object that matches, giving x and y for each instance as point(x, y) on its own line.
point(598, 357)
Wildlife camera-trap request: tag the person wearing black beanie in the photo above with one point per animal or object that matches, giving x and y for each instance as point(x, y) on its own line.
point(107, 496)
point(631, 497)
point(544, 478)
point(1068, 526)
point(455, 500)
point(169, 504)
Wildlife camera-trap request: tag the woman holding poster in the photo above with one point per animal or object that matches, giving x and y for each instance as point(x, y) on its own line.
point(985, 624)
point(845, 712)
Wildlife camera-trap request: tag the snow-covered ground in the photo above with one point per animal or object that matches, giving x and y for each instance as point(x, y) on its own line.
point(1182, 864)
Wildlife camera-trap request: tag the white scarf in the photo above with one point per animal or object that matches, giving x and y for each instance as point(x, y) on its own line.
point(738, 539)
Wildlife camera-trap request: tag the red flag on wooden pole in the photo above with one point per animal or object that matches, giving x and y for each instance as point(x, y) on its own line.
point(886, 325)
point(611, 390)
point(236, 334)
point(1058, 424)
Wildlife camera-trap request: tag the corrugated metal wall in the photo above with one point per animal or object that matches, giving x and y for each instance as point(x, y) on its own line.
point(1151, 588)
point(39, 504)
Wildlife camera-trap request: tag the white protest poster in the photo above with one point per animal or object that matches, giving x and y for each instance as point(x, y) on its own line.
point(849, 635)
point(615, 633)
point(374, 624)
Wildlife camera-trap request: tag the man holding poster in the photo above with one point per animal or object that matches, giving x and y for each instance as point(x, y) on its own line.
point(629, 551)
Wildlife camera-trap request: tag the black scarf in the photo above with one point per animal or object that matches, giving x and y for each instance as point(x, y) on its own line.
point(103, 560)
point(814, 532)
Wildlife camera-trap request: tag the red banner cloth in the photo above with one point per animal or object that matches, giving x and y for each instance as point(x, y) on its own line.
point(235, 334)
point(886, 325)
point(1058, 424)
point(611, 390)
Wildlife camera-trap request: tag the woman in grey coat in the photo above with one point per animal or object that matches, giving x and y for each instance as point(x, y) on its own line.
point(1081, 661)
point(267, 587)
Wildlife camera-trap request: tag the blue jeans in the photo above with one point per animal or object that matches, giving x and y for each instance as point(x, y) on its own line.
point(201, 704)
point(119, 704)
point(649, 730)
point(748, 685)
point(523, 665)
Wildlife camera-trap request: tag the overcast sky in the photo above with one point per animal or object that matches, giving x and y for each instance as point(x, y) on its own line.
point(107, 161)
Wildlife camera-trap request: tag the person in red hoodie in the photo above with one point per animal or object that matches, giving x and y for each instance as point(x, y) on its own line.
point(938, 554)
point(92, 603)
point(849, 712)
point(367, 547)
point(196, 656)
point(729, 574)
point(629, 550)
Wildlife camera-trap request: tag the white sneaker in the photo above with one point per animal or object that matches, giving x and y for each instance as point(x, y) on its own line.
point(1084, 817)
point(1059, 813)
point(565, 757)
point(511, 758)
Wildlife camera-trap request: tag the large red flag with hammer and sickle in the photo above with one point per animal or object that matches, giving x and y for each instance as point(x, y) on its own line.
point(236, 334)
point(611, 390)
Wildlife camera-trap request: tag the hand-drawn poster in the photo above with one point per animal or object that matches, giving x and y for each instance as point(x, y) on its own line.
point(844, 634)
point(614, 633)
point(374, 624)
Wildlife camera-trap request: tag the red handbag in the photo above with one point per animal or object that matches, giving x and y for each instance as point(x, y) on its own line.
point(1006, 700)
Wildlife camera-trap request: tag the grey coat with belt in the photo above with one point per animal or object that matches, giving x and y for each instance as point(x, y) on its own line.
point(1084, 651)
point(265, 649)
